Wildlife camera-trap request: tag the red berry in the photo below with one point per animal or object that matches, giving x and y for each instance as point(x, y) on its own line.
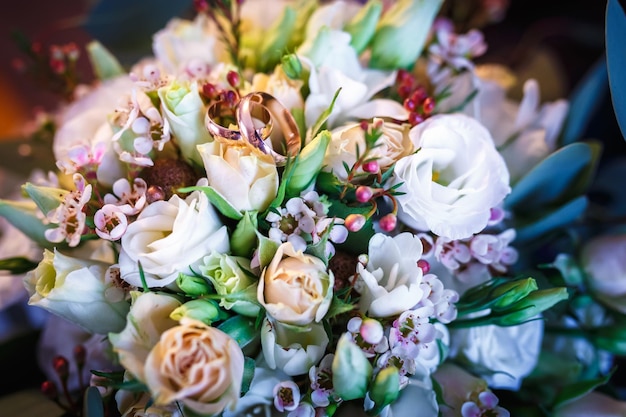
point(404, 77)
point(404, 91)
point(428, 105)
point(209, 90)
point(49, 390)
point(415, 118)
point(233, 78)
point(364, 125)
point(61, 366)
point(410, 104)
point(419, 94)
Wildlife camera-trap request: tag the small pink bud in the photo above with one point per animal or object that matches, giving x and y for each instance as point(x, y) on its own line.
point(355, 222)
point(388, 222)
point(371, 167)
point(364, 194)
point(233, 78)
point(371, 331)
point(423, 265)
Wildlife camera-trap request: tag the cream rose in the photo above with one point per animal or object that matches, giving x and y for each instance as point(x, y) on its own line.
point(453, 180)
point(390, 284)
point(76, 290)
point(247, 180)
point(393, 145)
point(283, 88)
point(295, 288)
point(170, 237)
point(196, 364)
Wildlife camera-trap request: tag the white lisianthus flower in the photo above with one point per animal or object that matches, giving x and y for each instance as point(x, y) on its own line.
point(83, 126)
point(392, 145)
point(76, 290)
point(295, 288)
point(170, 237)
point(187, 42)
point(184, 110)
point(511, 352)
point(196, 364)
point(390, 282)
point(148, 318)
point(334, 64)
point(604, 261)
point(454, 179)
point(293, 352)
point(246, 179)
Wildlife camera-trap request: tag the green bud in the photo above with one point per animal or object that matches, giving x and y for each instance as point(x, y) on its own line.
point(243, 241)
point(351, 370)
point(530, 306)
point(406, 23)
point(363, 26)
point(23, 216)
point(192, 285)
point(206, 311)
point(386, 387)
point(103, 62)
point(46, 198)
point(512, 292)
point(275, 40)
point(317, 49)
point(308, 164)
point(569, 269)
point(292, 66)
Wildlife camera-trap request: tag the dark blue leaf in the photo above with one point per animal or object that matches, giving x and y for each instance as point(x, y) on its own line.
point(616, 59)
point(584, 101)
point(561, 217)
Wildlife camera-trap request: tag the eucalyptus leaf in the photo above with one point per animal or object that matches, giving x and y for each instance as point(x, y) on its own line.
point(248, 373)
point(615, 35)
point(17, 265)
point(218, 201)
point(584, 101)
point(576, 390)
point(23, 216)
point(554, 220)
point(552, 178)
point(92, 403)
point(241, 329)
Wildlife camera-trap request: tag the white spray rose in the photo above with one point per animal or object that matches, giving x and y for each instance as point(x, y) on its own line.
point(76, 290)
point(198, 365)
point(246, 179)
point(170, 237)
point(292, 351)
point(454, 179)
point(390, 283)
point(511, 352)
point(295, 288)
point(393, 145)
point(604, 261)
point(148, 318)
point(184, 110)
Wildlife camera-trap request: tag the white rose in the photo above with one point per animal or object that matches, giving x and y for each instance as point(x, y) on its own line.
point(454, 179)
point(507, 353)
point(390, 283)
point(283, 88)
point(198, 365)
point(293, 352)
point(184, 110)
point(246, 179)
point(84, 124)
point(170, 237)
point(76, 290)
point(393, 145)
point(295, 288)
point(148, 318)
point(604, 261)
point(183, 41)
point(334, 64)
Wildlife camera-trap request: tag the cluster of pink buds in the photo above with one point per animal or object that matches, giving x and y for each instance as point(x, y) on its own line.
point(416, 99)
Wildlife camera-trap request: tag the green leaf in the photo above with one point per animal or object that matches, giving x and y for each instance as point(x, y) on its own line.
point(248, 373)
point(218, 201)
point(23, 216)
point(46, 198)
point(241, 329)
point(17, 265)
point(92, 405)
point(615, 34)
point(337, 307)
point(267, 249)
point(553, 178)
point(576, 390)
point(103, 62)
point(584, 102)
point(548, 222)
point(317, 127)
point(244, 238)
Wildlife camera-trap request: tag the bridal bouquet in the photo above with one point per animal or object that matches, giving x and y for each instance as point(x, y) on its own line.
point(313, 209)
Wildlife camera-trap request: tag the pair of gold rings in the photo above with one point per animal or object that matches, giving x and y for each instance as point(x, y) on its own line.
point(255, 115)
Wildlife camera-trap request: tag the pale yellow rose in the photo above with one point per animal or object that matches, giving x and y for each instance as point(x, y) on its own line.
point(198, 365)
point(295, 288)
point(284, 89)
point(393, 145)
point(246, 179)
